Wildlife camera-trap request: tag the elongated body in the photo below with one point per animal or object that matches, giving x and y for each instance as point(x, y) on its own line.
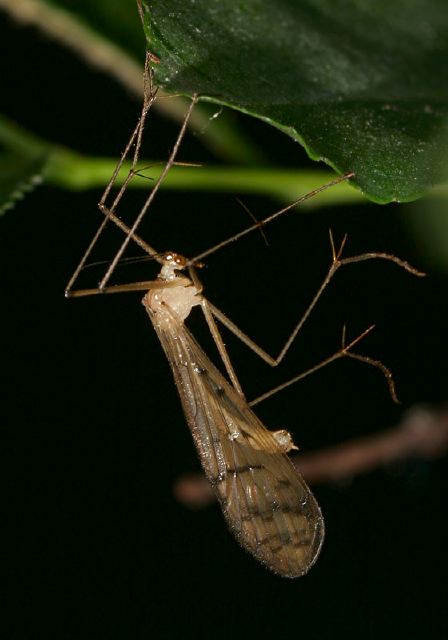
point(267, 504)
point(265, 501)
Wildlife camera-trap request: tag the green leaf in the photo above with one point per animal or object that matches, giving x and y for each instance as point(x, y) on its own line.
point(362, 85)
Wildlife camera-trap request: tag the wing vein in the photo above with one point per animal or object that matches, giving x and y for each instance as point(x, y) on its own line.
point(264, 499)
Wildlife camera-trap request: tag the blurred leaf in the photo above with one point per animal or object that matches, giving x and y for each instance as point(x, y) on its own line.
point(360, 85)
point(109, 36)
point(428, 222)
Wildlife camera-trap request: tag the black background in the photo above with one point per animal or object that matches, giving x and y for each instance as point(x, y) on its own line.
point(94, 430)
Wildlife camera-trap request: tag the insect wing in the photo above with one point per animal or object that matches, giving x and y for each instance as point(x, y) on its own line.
point(266, 502)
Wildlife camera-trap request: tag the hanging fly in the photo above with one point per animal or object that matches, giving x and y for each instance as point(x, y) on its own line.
point(266, 502)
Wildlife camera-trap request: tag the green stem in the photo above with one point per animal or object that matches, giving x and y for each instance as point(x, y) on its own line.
point(75, 172)
point(67, 169)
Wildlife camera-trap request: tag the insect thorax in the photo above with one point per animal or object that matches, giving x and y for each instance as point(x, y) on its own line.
point(172, 304)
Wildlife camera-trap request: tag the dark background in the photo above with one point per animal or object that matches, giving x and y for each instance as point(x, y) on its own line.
point(94, 431)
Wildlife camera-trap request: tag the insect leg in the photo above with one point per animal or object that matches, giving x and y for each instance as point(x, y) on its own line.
point(337, 262)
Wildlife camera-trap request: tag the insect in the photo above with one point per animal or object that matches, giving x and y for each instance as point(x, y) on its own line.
point(265, 501)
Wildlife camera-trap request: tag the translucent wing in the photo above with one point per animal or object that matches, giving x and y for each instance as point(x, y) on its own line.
point(266, 502)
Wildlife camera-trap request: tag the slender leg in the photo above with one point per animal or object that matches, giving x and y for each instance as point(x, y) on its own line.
point(220, 346)
point(152, 194)
point(210, 310)
point(109, 211)
point(337, 262)
point(149, 97)
point(273, 216)
point(125, 288)
point(344, 352)
point(208, 315)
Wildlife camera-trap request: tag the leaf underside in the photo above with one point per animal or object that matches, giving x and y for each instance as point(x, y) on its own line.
point(361, 85)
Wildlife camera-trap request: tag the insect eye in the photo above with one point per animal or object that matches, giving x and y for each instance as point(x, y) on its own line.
point(178, 260)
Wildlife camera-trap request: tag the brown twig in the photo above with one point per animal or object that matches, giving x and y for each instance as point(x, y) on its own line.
point(423, 433)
